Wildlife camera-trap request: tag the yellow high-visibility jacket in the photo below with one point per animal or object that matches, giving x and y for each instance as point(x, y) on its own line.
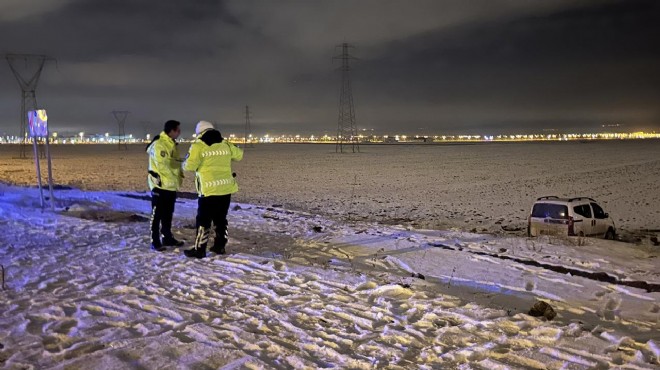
point(210, 157)
point(164, 164)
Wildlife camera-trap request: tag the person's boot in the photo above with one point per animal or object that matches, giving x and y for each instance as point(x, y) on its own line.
point(169, 241)
point(195, 253)
point(199, 250)
point(220, 241)
point(157, 247)
point(218, 249)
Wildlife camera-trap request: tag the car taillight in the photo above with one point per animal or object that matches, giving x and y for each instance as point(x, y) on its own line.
point(571, 228)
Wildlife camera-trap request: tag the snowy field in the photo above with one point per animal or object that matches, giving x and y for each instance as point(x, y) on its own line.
point(299, 290)
point(487, 188)
point(401, 257)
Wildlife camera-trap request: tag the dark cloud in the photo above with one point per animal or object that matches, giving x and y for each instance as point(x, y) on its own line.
point(96, 30)
point(437, 66)
point(570, 69)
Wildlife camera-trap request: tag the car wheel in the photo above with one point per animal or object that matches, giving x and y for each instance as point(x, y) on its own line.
point(609, 235)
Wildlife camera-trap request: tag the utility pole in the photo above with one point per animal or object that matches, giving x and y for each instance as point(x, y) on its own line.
point(27, 76)
point(120, 117)
point(248, 129)
point(346, 127)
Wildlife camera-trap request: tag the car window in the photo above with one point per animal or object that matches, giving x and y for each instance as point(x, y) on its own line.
point(598, 212)
point(548, 210)
point(583, 210)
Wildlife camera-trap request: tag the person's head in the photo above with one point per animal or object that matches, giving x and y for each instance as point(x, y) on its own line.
point(172, 129)
point(203, 126)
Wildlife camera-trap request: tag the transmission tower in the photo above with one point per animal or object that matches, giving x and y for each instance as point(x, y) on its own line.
point(248, 129)
point(120, 117)
point(346, 128)
point(27, 76)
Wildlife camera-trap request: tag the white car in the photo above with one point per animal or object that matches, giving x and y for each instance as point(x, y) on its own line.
point(569, 216)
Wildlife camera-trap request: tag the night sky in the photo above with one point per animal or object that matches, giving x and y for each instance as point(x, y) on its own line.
point(478, 66)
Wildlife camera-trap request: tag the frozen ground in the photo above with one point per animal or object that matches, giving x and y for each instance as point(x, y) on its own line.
point(299, 290)
point(480, 188)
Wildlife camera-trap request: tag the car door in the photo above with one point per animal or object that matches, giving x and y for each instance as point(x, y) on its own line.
point(600, 220)
point(583, 219)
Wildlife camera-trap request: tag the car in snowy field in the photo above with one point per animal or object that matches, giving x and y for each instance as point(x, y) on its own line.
point(580, 216)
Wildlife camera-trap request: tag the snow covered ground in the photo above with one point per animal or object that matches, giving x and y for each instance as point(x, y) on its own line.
point(486, 188)
point(300, 290)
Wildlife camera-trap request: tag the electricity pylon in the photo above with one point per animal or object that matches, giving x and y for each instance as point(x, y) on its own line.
point(248, 128)
point(346, 127)
point(28, 78)
point(120, 117)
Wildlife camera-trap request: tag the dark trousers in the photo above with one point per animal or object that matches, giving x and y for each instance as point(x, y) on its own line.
point(212, 210)
point(162, 209)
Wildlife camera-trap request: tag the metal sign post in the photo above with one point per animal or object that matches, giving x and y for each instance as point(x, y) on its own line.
point(38, 123)
point(50, 173)
point(36, 163)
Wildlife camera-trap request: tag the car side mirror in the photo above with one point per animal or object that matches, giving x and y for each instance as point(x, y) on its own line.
point(607, 215)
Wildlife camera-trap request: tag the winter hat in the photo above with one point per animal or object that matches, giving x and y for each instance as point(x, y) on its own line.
point(203, 126)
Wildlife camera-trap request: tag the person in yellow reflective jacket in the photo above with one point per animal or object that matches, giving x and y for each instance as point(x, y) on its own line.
point(210, 157)
point(164, 178)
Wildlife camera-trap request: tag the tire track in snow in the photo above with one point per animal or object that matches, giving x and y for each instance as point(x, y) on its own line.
point(596, 276)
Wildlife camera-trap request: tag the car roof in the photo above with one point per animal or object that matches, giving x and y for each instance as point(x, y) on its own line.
point(552, 198)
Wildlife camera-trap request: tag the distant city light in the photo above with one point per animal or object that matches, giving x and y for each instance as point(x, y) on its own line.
point(82, 137)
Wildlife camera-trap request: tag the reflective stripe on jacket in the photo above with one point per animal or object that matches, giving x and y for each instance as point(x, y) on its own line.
point(210, 157)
